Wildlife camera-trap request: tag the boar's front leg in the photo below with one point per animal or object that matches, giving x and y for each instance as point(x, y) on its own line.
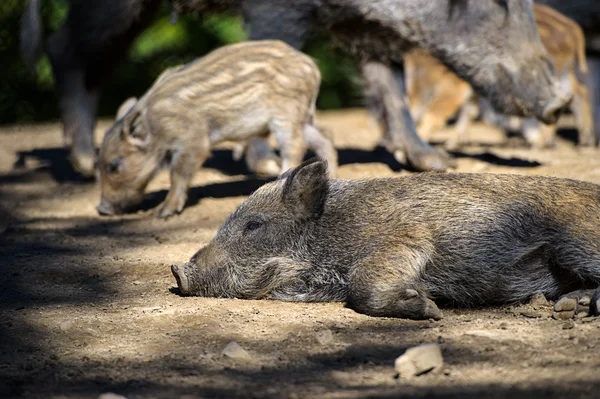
point(586, 302)
point(391, 289)
point(184, 165)
point(387, 101)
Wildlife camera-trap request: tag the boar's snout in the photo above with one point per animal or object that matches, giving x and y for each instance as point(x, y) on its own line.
point(181, 278)
point(556, 107)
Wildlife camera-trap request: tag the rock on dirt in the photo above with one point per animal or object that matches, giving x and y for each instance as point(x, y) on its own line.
point(419, 360)
point(324, 337)
point(538, 301)
point(234, 351)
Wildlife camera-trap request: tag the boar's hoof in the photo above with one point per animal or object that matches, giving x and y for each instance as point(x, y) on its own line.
point(416, 307)
point(578, 303)
point(268, 168)
point(182, 280)
point(170, 208)
point(84, 164)
point(433, 160)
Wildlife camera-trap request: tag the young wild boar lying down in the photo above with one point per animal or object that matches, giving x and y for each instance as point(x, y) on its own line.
point(391, 247)
point(237, 92)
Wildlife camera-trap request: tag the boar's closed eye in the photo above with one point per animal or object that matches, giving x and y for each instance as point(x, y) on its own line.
point(114, 166)
point(253, 225)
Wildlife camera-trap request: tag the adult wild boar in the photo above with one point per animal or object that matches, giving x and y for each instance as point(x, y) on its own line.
point(394, 247)
point(493, 44)
point(435, 93)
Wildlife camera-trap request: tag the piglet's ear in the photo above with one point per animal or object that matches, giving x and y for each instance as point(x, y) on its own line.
point(126, 107)
point(305, 189)
point(135, 131)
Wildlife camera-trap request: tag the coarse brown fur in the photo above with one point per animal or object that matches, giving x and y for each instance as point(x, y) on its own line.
point(436, 93)
point(391, 247)
point(237, 92)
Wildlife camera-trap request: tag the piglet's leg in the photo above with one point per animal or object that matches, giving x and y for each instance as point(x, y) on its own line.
point(320, 141)
point(183, 167)
point(391, 290)
point(291, 142)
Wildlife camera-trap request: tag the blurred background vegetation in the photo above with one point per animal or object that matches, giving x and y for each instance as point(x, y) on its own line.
point(27, 99)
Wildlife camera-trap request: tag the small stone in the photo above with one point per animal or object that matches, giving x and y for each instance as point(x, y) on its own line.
point(324, 337)
point(538, 300)
point(136, 282)
point(532, 314)
point(110, 395)
point(65, 325)
point(419, 360)
point(568, 325)
point(503, 326)
point(234, 351)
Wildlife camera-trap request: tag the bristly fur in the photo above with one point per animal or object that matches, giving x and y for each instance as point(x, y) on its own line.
point(390, 247)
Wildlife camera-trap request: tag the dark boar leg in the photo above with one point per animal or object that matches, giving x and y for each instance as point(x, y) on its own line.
point(83, 53)
point(387, 101)
point(391, 290)
point(576, 302)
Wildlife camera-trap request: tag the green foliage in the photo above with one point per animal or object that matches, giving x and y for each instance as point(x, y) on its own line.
point(25, 99)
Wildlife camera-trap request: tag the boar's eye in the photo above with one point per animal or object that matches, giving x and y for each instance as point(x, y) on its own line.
point(114, 166)
point(252, 225)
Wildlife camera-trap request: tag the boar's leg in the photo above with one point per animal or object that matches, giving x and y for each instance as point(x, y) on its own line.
point(260, 157)
point(538, 134)
point(468, 112)
point(387, 101)
point(291, 142)
point(183, 168)
point(582, 110)
point(391, 290)
point(586, 302)
point(83, 53)
point(322, 145)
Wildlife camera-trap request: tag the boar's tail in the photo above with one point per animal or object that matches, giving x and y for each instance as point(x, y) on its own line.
point(31, 34)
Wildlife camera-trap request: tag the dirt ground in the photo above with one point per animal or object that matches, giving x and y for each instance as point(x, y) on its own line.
point(88, 304)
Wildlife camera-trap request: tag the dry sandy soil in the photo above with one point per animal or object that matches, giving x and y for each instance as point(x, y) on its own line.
point(88, 304)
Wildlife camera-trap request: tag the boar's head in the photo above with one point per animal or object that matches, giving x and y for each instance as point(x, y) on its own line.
point(125, 164)
point(495, 46)
point(261, 250)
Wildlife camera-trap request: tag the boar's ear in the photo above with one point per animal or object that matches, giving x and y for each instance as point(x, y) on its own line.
point(306, 187)
point(134, 130)
point(126, 107)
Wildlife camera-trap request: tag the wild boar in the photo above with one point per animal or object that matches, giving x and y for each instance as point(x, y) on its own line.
point(493, 44)
point(394, 247)
point(236, 92)
point(436, 94)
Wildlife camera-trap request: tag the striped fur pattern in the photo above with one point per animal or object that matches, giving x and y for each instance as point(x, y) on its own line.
point(236, 93)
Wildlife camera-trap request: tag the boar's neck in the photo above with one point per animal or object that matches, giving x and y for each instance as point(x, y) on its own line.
point(357, 221)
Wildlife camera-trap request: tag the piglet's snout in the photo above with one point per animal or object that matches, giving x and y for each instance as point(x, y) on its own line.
point(181, 278)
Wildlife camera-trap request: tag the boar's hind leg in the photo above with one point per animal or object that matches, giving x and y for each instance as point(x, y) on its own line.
point(391, 291)
point(387, 101)
point(582, 302)
point(291, 142)
point(319, 140)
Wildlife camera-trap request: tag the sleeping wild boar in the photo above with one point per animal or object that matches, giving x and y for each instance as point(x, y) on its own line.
point(235, 93)
point(394, 247)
